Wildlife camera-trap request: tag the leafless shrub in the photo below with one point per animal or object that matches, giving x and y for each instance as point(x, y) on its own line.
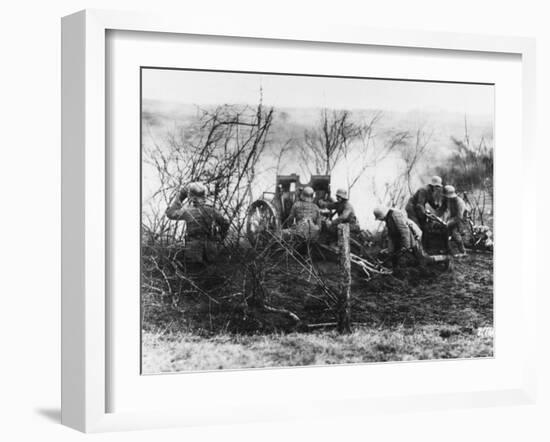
point(470, 170)
point(341, 138)
point(245, 290)
point(413, 150)
point(327, 144)
point(221, 148)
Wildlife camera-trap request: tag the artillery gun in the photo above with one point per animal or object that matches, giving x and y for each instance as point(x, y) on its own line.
point(436, 237)
point(265, 216)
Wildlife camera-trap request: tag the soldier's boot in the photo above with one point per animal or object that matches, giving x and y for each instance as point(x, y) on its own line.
point(460, 248)
point(421, 256)
point(457, 244)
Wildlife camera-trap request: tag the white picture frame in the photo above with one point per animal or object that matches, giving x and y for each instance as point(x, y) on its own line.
point(85, 202)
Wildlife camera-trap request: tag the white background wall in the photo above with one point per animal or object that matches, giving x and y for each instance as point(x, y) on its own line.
point(30, 220)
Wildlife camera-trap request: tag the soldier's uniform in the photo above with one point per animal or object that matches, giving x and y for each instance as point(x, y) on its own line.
point(455, 210)
point(416, 205)
point(403, 236)
point(399, 234)
point(345, 212)
point(306, 216)
point(205, 228)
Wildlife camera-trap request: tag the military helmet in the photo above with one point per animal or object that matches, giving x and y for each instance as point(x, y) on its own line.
point(307, 193)
point(380, 212)
point(197, 190)
point(342, 193)
point(449, 192)
point(436, 181)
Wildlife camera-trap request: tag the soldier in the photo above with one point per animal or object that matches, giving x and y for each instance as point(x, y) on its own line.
point(306, 216)
point(344, 210)
point(455, 210)
point(205, 226)
point(403, 236)
point(400, 239)
point(416, 206)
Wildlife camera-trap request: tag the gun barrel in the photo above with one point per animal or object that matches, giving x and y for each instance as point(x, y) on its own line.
point(436, 219)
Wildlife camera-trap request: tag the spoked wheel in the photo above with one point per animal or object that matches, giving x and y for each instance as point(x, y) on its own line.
point(262, 222)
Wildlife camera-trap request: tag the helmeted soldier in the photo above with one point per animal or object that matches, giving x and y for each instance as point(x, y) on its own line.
point(400, 238)
point(430, 194)
point(304, 217)
point(205, 226)
point(344, 210)
point(404, 236)
point(454, 210)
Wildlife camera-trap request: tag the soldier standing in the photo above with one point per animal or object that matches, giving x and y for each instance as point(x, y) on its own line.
point(205, 226)
point(455, 209)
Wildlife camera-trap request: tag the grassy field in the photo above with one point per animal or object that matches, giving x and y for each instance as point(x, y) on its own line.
point(438, 315)
point(169, 353)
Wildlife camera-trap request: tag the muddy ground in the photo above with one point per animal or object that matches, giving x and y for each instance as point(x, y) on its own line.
point(429, 314)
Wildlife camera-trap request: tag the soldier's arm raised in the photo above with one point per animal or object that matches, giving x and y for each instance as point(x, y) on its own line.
point(175, 210)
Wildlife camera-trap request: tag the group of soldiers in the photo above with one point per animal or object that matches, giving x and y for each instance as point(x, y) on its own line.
point(405, 229)
point(206, 227)
point(307, 219)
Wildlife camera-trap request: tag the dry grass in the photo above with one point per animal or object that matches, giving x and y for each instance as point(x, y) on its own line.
point(175, 352)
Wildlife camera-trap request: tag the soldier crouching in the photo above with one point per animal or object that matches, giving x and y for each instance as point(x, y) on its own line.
point(205, 226)
point(404, 238)
point(346, 214)
point(416, 206)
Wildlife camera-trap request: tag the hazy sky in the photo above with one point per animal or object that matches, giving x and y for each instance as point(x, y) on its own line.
point(211, 88)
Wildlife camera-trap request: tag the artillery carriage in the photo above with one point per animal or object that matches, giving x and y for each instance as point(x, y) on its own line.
point(266, 219)
point(266, 216)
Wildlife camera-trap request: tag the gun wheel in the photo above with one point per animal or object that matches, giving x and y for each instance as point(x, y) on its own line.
point(262, 222)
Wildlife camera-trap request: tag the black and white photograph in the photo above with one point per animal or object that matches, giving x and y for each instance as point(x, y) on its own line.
point(306, 220)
